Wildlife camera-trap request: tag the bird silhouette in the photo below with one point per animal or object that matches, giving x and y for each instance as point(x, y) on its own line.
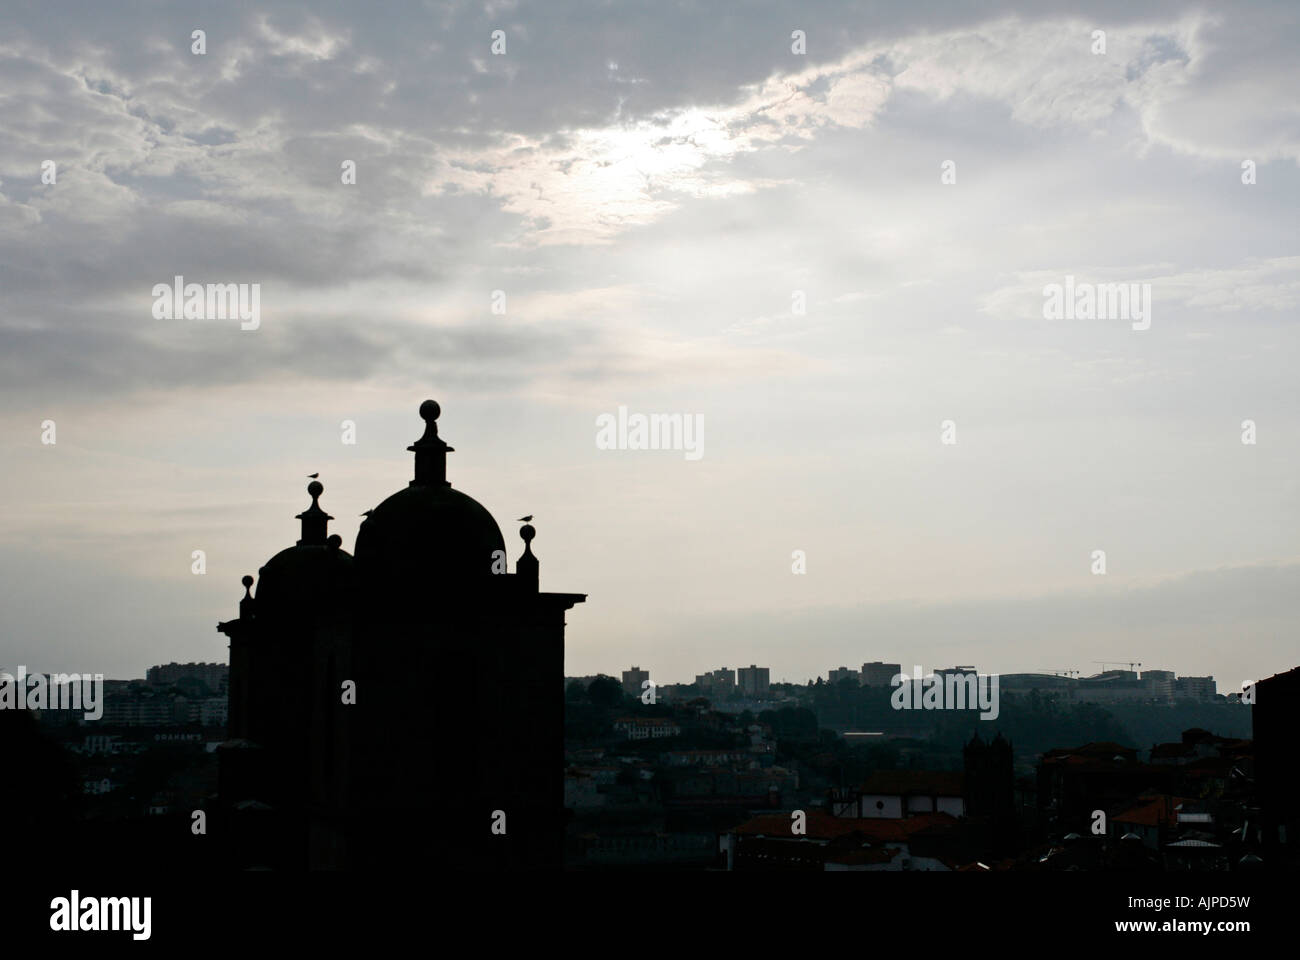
point(313, 476)
point(527, 519)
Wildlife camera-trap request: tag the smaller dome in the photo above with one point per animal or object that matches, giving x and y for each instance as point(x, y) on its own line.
point(303, 578)
point(311, 576)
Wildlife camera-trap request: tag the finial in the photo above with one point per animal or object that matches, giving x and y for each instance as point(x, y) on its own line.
point(246, 601)
point(430, 451)
point(526, 567)
point(315, 521)
point(334, 542)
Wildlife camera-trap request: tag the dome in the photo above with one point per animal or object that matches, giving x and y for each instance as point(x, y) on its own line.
point(305, 576)
point(313, 575)
point(431, 532)
point(428, 536)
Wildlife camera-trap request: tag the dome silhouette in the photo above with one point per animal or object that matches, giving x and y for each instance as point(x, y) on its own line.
point(313, 574)
point(427, 537)
point(430, 534)
point(446, 647)
point(304, 577)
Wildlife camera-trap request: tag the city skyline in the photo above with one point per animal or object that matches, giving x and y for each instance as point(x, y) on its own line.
point(202, 669)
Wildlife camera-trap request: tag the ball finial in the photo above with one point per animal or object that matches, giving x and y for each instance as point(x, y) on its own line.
point(429, 410)
point(247, 581)
point(315, 488)
point(527, 532)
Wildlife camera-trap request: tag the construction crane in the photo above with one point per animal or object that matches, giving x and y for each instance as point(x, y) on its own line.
point(1131, 664)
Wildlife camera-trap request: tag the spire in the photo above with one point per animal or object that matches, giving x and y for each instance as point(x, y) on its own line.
point(315, 521)
point(430, 452)
point(526, 567)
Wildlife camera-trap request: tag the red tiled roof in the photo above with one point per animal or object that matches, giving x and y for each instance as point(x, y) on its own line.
point(1103, 746)
point(1152, 812)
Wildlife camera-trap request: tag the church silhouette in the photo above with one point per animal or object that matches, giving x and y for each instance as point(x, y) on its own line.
point(401, 705)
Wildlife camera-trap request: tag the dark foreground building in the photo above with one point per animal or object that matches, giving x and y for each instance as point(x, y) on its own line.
point(398, 706)
point(1276, 717)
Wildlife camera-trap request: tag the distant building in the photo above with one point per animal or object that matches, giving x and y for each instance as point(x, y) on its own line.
point(721, 682)
point(830, 843)
point(1198, 745)
point(989, 789)
point(1043, 682)
point(1074, 782)
point(140, 711)
point(1114, 686)
point(736, 705)
point(1160, 683)
point(647, 728)
point(215, 675)
point(754, 681)
point(704, 758)
point(634, 681)
point(97, 744)
point(842, 673)
point(1152, 818)
point(212, 712)
point(877, 674)
point(958, 672)
point(1195, 688)
point(893, 794)
point(668, 692)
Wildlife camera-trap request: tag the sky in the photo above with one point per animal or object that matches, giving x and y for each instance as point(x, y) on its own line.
point(824, 255)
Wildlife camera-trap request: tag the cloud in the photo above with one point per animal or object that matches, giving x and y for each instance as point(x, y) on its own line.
point(649, 222)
